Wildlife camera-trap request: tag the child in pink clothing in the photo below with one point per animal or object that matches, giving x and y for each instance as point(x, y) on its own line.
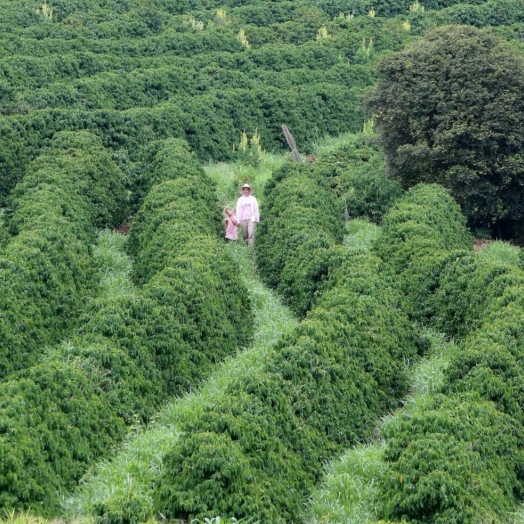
point(231, 224)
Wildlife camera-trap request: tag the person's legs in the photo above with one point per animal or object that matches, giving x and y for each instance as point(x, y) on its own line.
point(251, 227)
point(245, 229)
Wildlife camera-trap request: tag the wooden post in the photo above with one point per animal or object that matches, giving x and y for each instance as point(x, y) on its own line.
point(291, 142)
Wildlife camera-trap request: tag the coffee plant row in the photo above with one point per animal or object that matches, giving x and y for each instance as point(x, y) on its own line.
point(459, 459)
point(297, 242)
point(259, 449)
point(68, 193)
point(131, 351)
point(131, 75)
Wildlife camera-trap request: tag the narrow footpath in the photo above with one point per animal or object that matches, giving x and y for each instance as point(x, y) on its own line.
point(137, 463)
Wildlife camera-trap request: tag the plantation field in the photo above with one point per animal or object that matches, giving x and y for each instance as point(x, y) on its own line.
point(362, 362)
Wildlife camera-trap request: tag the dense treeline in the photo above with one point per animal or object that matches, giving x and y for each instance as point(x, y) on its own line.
point(432, 129)
point(460, 457)
point(131, 351)
point(69, 192)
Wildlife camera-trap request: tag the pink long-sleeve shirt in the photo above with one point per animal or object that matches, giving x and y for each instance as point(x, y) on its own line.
point(247, 209)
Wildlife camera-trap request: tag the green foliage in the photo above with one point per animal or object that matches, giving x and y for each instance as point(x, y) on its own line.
point(357, 173)
point(490, 13)
point(479, 423)
point(78, 165)
point(181, 261)
point(457, 461)
point(388, 8)
point(212, 317)
point(134, 75)
point(68, 191)
point(201, 86)
point(302, 221)
point(468, 290)
point(321, 390)
point(458, 457)
point(174, 213)
point(433, 131)
point(12, 159)
point(421, 233)
point(132, 472)
point(49, 415)
point(133, 350)
point(165, 160)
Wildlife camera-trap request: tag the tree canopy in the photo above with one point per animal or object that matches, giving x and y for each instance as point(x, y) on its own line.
point(449, 109)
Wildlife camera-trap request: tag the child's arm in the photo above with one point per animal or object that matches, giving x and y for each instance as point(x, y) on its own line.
point(234, 220)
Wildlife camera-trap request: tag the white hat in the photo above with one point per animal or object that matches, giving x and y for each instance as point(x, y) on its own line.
point(244, 186)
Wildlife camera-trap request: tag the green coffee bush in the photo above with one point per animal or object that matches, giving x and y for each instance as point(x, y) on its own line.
point(474, 474)
point(458, 460)
point(424, 221)
point(186, 196)
point(301, 220)
point(131, 352)
point(307, 268)
point(357, 174)
point(49, 414)
point(77, 163)
point(421, 234)
point(181, 261)
point(212, 314)
point(68, 191)
point(468, 290)
point(164, 160)
point(490, 362)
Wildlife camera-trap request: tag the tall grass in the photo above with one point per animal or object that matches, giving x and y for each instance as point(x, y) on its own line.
point(361, 234)
point(12, 517)
point(500, 253)
point(114, 266)
point(330, 144)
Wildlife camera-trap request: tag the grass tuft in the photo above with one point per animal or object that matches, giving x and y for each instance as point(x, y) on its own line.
point(349, 491)
point(114, 266)
point(361, 234)
point(15, 517)
point(501, 253)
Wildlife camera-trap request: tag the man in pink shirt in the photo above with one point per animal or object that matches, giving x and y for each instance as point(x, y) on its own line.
point(248, 214)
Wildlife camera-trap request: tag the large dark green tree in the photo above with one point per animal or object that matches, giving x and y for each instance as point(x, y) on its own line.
point(450, 109)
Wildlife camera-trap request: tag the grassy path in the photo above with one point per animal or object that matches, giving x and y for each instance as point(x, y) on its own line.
point(137, 464)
